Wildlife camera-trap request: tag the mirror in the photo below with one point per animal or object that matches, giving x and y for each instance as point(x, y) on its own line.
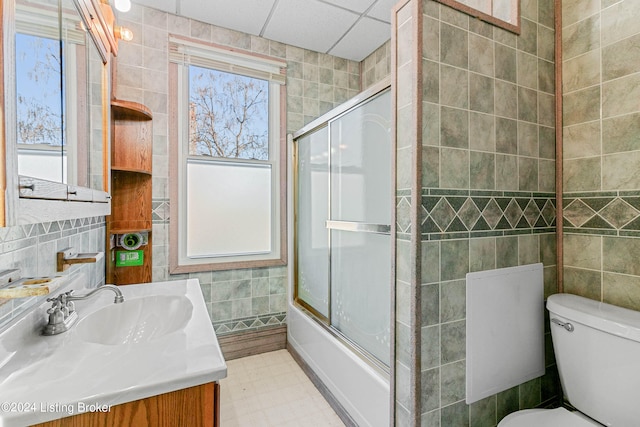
point(60, 95)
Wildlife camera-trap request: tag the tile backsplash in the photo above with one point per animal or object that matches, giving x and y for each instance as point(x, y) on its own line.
point(32, 249)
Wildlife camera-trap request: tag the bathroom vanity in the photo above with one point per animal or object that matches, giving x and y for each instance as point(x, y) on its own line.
point(195, 406)
point(152, 360)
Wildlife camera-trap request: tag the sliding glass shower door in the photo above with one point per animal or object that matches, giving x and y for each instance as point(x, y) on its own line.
point(344, 204)
point(312, 211)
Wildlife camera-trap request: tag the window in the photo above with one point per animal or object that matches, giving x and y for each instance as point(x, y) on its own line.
point(227, 206)
point(503, 13)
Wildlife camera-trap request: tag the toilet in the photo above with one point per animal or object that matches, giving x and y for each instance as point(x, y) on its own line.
point(597, 348)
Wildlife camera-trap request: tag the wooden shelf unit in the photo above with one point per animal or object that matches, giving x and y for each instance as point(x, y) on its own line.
point(131, 186)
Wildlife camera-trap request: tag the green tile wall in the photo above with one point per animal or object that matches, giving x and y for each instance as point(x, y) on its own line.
point(601, 148)
point(376, 66)
point(487, 199)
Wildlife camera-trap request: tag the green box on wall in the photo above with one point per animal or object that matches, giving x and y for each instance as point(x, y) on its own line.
point(129, 258)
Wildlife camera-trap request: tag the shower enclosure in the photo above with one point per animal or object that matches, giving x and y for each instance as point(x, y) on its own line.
point(339, 317)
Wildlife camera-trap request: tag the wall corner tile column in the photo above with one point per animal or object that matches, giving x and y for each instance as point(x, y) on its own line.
point(601, 153)
point(475, 191)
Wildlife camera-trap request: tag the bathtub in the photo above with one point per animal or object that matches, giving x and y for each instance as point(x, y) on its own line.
point(362, 390)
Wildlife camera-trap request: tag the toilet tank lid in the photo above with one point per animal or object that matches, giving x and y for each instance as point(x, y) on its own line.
point(599, 315)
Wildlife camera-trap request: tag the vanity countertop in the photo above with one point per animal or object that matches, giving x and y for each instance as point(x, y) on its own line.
point(49, 377)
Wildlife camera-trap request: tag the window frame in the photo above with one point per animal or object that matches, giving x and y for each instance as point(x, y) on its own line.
point(469, 10)
point(178, 154)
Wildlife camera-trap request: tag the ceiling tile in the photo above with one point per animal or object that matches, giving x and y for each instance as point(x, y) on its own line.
point(366, 36)
point(164, 5)
point(309, 24)
point(382, 10)
point(355, 5)
point(247, 16)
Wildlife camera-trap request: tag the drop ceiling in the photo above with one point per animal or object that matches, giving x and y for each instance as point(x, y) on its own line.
point(350, 29)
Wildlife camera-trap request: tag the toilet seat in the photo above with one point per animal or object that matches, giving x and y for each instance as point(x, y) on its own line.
point(547, 418)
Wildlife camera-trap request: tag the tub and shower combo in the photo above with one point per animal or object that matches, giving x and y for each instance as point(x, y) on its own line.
point(339, 319)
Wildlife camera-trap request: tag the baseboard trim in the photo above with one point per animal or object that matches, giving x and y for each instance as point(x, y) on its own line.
point(324, 391)
point(235, 346)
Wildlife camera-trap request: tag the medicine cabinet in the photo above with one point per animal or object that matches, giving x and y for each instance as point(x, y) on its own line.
point(56, 93)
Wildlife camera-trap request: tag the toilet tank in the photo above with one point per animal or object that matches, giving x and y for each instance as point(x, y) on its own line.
point(598, 355)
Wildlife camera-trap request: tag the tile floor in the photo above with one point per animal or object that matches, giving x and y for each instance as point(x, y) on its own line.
point(270, 389)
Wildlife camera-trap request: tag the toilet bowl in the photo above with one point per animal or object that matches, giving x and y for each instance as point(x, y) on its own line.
point(597, 348)
point(559, 417)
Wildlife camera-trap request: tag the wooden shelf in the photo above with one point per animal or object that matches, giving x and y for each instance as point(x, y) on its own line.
point(124, 230)
point(132, 109)
point(131, 186)
point(130, 199)
point(132, 144)
point(123, 169)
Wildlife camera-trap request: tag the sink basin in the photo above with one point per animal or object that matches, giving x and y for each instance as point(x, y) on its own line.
point(136, 320)
point(110, 356)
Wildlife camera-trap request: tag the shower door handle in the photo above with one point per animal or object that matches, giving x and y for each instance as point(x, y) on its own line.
point(361, 227)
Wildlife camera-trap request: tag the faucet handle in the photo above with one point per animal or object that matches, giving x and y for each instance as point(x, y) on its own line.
point(58, 299)
point(56, 302)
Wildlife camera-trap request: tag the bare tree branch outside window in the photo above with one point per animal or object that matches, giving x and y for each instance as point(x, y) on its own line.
point(38, 80)
point(228, 115)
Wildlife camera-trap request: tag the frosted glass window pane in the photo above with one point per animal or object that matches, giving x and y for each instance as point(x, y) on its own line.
point(43, 164)
point(481, 5)
point(504, 9)
point(312, 235)
point(228, 209)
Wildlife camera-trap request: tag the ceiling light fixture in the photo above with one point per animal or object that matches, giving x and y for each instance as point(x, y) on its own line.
point(123, 5)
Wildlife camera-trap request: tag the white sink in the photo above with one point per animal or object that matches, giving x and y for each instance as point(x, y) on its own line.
point(136, 320)
point(159, 340)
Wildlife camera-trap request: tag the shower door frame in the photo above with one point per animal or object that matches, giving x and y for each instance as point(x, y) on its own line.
point(319, 318)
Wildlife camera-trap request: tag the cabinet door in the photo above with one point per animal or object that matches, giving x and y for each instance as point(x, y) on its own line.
point(57, 97)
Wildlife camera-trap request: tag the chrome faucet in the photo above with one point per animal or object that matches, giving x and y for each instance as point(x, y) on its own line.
point(119, 298)
point(62, 314)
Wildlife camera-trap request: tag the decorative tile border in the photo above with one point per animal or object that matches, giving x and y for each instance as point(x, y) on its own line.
point(609, 213)
point(48, 230)
point(249, 323)
point(457, 214)
point(160, 211)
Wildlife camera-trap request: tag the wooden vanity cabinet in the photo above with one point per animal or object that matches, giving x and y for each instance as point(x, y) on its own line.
point(197, 406)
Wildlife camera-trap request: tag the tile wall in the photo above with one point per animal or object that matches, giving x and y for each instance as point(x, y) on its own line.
point(238, 299)
point(601, 150)
point(475, 191)
point(32, 248)
point(376, 66)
